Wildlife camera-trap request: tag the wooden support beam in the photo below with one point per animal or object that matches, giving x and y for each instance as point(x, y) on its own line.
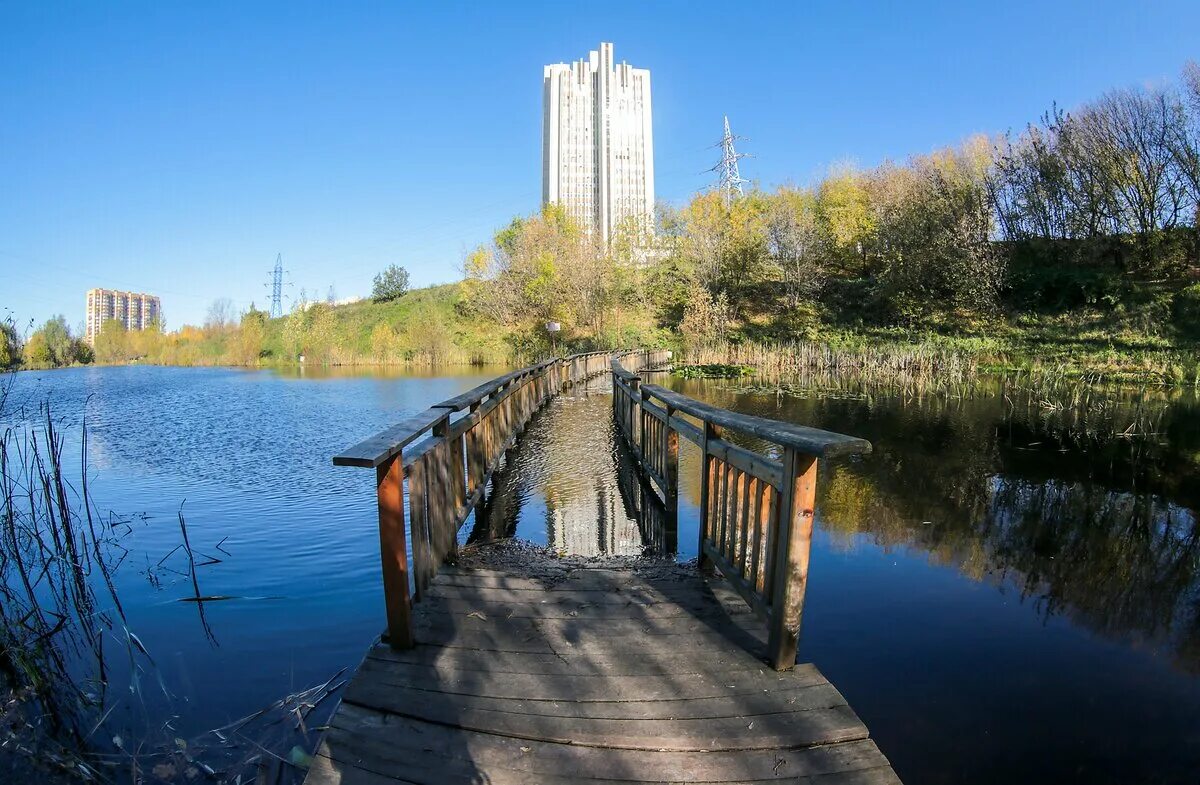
point(389, 487)
point(794, 543)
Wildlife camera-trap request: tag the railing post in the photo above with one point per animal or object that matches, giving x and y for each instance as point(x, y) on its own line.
point(389, 489)
point(793, 542)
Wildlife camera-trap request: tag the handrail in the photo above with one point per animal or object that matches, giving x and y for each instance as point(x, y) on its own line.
point(756, 512)
point(448, 471)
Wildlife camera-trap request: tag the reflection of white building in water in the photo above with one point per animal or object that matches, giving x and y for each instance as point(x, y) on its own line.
point(593, 523)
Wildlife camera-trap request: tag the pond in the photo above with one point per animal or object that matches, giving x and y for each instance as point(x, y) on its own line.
point(1005, 589)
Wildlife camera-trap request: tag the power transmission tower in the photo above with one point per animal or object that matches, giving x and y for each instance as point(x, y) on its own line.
point(729, 179)
point(276, 287)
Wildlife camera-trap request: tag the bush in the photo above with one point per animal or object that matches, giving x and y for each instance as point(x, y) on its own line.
point(1185, 310)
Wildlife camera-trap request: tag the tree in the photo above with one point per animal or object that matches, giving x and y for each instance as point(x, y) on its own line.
point(389, 284)
point(251, 336)
point(309, 332)
point(705, 317)
point(794, 240)
point(37, 351)
point(112, 343)
point(221, 315)
point(52, 344)
point(847, 221)
point(935, 227)
point(10, 343)
point(58, 340)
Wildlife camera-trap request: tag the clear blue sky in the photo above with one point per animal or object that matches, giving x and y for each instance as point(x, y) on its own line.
point(176, 147)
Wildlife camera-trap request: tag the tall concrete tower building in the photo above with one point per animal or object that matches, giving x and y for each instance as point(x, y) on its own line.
point(597, 143)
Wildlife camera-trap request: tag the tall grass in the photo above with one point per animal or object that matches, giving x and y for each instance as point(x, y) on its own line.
point(71, 666)
point(58, 605)
point(883, 362)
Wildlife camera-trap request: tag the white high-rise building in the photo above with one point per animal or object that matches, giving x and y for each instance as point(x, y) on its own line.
point(134, 310)
point(597, 143)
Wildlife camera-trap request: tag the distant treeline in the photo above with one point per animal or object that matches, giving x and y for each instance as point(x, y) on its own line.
point(1079, 230)
point(1091, 212)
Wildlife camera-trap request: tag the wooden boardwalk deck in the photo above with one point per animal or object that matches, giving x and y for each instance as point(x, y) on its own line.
point(604, 675)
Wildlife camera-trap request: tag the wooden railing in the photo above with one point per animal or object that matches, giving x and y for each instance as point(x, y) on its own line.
point(756, 509)
point(448, 471)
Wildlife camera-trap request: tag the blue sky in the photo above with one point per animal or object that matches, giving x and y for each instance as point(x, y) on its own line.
point(176, 147)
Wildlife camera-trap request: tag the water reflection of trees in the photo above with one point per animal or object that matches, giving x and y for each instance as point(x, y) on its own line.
point(1083, 500)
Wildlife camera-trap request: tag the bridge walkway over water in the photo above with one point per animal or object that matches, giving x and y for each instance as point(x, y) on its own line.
point(652, 673)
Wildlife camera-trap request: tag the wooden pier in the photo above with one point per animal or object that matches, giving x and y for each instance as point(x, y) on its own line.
point(670, 674)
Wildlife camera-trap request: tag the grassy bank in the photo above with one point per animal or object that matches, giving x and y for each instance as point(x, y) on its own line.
point(1077, 346)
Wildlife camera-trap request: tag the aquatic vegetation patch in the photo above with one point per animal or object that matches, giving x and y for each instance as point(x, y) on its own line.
point(713, 371)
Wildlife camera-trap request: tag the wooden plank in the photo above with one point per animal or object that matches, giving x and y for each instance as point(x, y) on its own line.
point(748, 488)
point(575, 662)
point(593, 613)
point(587, 638)
point(800, 728)
point(372, 452)
point(583, 580)
point(418, 518)
point(761, 509)
point(582, 688)
point(414, 701)
point(633, 597)
point(376, 737)
point(430, 770)
point(581, 629)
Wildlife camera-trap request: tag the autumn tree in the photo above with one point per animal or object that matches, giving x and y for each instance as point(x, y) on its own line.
point(796, 243)
point(251, 337)
point(10, 343)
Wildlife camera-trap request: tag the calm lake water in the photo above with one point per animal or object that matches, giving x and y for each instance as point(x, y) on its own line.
point(1006, 590)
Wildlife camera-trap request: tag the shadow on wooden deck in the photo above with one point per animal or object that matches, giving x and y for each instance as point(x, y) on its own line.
point(640, 675)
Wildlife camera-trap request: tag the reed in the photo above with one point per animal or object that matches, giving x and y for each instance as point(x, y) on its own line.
point(58, 605)
point(883, 362)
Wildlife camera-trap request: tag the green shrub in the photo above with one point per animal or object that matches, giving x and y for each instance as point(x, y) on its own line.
point(1185, 310)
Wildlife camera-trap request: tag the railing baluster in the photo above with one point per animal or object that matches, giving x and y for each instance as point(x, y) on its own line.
point(749, 489)
point(418, 518)
point(762, 510)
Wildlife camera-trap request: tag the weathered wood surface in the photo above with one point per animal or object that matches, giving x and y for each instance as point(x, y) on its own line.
point(607, 675)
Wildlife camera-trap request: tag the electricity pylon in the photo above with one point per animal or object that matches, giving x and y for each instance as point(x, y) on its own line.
point(729, 179)
point(276, 287)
